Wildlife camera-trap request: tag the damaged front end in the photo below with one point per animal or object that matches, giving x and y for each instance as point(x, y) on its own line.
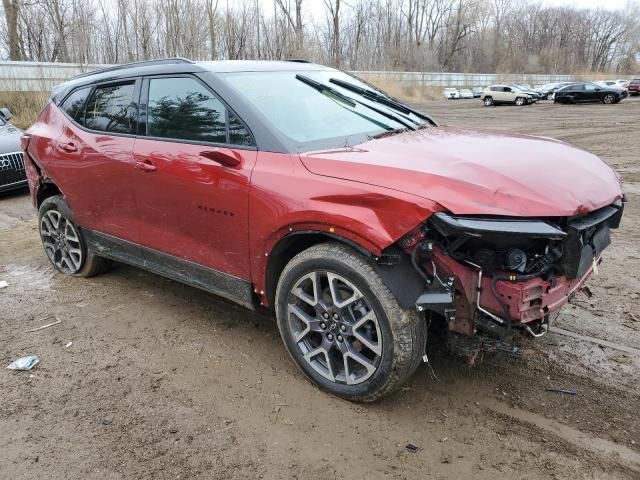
point(500, 275)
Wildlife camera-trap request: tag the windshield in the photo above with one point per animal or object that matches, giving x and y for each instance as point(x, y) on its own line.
point(313, 118)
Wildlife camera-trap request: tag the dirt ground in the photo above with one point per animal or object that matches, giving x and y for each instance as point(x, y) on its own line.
point(165, 381)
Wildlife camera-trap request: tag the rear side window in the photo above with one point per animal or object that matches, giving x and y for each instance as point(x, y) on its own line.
point(183, 109)
point(111, 109)
point(74, 104)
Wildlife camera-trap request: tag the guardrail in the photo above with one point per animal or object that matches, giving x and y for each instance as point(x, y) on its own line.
point(42, 76)
point(445, 79)
point(38, 76)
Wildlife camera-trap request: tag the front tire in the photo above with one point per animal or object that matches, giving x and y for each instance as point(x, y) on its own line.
point(343, 327)
point(520, 101)
point(63, 241)
point(609, 98)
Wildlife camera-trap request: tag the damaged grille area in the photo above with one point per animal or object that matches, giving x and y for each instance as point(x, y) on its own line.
point(553, 246)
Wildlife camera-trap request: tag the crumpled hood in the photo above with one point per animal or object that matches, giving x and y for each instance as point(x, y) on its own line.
point(478, 172)
point(9, 139)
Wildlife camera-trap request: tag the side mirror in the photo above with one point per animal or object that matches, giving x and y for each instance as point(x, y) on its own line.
point(5, 113)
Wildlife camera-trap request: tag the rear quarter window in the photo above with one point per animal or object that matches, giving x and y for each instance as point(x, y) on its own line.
point(74, 104)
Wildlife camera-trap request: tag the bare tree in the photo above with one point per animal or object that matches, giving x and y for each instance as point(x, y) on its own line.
point(453, 35)
point(12, 16)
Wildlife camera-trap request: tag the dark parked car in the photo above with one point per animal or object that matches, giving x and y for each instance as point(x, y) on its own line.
point(534, 92)
point(634, 87)
point(584, 92)
point(299, 190)
point(12, 174)
point(550, 88)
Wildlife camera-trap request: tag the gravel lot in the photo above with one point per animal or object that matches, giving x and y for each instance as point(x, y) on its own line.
point(165, 381)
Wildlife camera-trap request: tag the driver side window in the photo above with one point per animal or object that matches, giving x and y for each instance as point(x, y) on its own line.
point(181, 108)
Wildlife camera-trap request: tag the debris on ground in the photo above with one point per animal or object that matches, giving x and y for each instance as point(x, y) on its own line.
point(24, 363)
point(45, 326)
point(68, 345)
point(107, 420)
point(412, 448)
point(3, 284)
point(587, 291)
point(561, 390)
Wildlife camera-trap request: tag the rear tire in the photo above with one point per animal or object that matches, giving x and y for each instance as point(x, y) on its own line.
point(343, 327)
point(64, 243)
point(488, 101)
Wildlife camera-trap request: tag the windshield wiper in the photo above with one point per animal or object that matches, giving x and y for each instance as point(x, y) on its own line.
point(379, 98)
point(322, 88)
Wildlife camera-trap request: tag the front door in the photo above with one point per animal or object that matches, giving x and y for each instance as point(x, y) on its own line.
point(194, 167)
point(591, 92)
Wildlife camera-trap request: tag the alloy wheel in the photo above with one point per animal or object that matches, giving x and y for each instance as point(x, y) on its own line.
point(608, 98)
point(335, 327)
point(61, 242)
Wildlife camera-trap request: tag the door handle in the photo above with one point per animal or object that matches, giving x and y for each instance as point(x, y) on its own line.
point(146, 166)
point(224, 156)
point(68, 147)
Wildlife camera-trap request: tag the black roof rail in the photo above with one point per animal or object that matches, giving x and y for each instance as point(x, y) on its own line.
point(142, 63)
point(298, 60)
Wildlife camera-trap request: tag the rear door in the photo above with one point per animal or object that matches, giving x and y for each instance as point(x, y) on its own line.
point(92, 160)
point(498, 93)
point(194, 161)
point(579, 92)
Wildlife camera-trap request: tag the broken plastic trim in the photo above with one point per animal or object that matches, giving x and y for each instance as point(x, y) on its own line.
point(448, 224)
point(439, 295)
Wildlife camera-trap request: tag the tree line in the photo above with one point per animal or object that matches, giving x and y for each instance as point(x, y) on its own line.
point(408, 35)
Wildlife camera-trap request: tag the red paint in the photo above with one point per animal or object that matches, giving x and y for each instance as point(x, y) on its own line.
point(227, 208)
point(479, 172)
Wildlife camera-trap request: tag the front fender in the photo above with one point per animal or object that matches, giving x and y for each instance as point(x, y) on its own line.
point(286, 198)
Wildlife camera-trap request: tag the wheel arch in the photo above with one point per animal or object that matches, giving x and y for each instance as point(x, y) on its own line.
point(45, 190)
point(292, 244)
point(404, 282)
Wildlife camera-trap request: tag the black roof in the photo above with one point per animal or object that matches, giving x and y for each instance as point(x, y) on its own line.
point(180, 65)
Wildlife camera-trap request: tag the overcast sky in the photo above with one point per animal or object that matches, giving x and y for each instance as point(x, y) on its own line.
point(610, 4)
point(316, 7)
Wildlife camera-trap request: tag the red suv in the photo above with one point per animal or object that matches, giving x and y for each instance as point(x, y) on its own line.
point(299, 189)
point(634, 87)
